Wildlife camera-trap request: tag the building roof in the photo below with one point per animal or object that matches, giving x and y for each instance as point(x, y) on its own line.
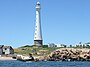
point(7, 47)
point(1, 46)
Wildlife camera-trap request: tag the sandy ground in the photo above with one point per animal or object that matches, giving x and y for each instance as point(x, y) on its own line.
point(6, 58)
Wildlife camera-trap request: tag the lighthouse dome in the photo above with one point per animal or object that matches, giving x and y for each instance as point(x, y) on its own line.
point(38, 3)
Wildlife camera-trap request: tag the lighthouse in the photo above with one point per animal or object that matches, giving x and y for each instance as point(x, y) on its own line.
point(38, 41)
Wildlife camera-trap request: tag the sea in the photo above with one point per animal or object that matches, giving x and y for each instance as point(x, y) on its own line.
point(43, 64)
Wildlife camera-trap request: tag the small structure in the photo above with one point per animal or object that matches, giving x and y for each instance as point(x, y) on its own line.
point(6, 50)
point(52, 45)
point(60, 45)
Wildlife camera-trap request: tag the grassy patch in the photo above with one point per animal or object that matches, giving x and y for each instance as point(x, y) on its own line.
point(35, 50)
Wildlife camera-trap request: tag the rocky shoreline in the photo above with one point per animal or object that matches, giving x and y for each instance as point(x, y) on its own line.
point(69, 54)
point(62, 54)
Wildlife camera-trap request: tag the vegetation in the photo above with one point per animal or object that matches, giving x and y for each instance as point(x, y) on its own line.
point(35, 50)
point(45, 50)
point(80, 45)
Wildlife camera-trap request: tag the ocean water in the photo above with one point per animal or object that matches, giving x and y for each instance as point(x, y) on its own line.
point(43, 64)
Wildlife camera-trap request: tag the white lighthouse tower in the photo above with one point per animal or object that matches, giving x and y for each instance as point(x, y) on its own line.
point(38, 41)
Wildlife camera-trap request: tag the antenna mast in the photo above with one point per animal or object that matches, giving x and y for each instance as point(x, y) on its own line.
point(37, 0)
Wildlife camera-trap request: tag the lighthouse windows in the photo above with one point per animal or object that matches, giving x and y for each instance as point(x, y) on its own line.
point(35, 34)
point(35, 37)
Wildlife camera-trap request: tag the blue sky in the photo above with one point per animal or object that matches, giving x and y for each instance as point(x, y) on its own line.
point(63, 21)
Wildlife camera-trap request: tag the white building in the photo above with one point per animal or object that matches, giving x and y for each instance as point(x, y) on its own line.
point(6, 50)
point(60, 45)
point(52, 45)
point(38, 33)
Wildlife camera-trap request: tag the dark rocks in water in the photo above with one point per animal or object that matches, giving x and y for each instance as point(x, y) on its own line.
point(36, 59)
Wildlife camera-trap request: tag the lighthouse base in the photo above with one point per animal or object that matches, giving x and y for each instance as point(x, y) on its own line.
point(38, 43)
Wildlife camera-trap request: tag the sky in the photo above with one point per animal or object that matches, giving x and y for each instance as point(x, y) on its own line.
point(62, 21)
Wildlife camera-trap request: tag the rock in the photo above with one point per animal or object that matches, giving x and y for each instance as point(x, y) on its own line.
point(71, 54)
point(25, 58)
